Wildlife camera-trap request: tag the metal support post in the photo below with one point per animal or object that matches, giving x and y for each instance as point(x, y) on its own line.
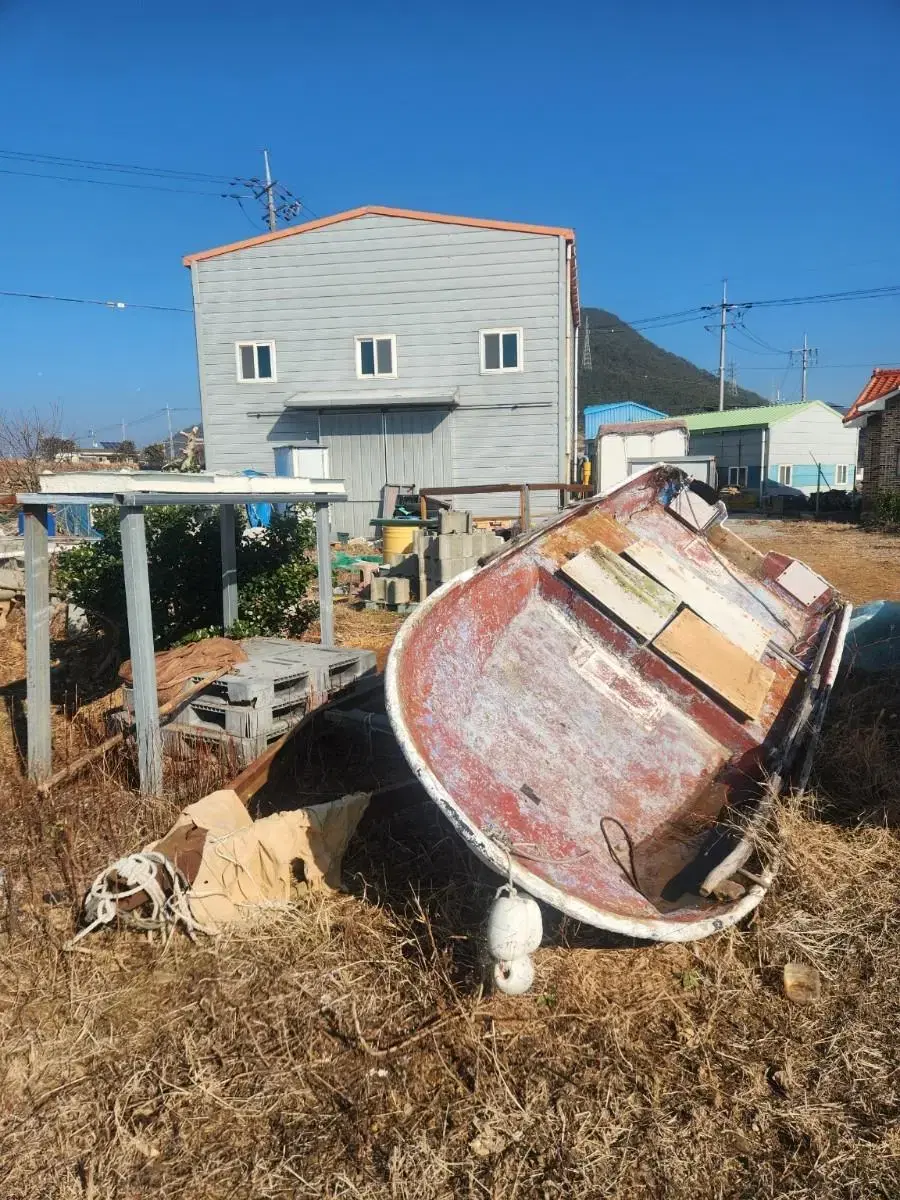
point(229, 566)
point(140, 641)
point(326, 601)
point(37, 641)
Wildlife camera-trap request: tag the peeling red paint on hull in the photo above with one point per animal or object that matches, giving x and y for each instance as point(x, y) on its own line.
point(571, 753)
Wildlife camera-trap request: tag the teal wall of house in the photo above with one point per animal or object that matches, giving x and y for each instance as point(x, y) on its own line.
point(803, 475)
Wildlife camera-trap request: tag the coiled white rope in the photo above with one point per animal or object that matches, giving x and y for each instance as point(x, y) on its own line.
point(167, 904)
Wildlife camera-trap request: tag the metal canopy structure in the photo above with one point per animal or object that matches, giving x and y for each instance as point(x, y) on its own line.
point(131, 494)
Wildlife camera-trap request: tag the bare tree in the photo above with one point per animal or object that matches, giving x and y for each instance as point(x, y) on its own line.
point(26, 440)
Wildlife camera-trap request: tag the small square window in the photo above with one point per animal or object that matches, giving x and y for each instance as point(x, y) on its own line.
point(501, 350)
point(255, 362)
point(376, 356)
point(737, 476)
point(840, 475)
point(785, 474)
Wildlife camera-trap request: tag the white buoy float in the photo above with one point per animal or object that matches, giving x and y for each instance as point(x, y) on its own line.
point(514, 932)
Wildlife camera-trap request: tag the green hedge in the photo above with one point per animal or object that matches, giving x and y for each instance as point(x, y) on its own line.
point(274, 567)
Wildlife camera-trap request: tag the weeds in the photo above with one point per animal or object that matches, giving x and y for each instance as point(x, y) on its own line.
point(346, 1049)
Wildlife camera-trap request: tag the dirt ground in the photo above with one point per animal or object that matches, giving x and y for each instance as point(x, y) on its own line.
point(863, 565)
point(346, 1048)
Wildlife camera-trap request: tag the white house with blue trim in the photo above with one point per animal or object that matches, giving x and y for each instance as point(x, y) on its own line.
point(778, 448)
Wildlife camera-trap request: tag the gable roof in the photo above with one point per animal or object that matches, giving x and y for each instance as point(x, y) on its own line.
point(741, 418)
point(378, 210)
point(883, 382)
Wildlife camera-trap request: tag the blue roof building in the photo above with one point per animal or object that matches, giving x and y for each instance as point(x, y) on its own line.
point(624, 411)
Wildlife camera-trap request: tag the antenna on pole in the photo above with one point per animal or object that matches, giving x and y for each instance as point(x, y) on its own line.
point(270, 198)
point(586, 363)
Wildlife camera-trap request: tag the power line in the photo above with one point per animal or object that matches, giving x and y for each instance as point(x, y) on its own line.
point(142, 420)
point(119, 304)
point(118, 183)
point(892, 289)
point(90, 164)
point(664, 320)
point(754, 337)
point(819, 366)
point(746, 347)
point(288, 206)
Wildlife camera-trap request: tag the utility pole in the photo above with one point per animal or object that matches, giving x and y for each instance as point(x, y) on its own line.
point(123, 429)
point(171, 439)
point(808, 354)
point(270, 199)
point(586, 363)
point(723, 326)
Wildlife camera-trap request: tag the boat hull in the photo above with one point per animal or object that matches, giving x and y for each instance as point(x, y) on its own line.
point(577, 758)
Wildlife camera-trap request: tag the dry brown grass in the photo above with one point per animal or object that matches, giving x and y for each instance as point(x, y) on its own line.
point(346, 1049)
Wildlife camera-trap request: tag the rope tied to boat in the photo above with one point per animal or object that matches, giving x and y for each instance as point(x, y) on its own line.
point(166, 904)
point(629, 871)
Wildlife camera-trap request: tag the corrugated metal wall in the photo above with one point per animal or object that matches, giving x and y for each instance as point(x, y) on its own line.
point(596, 415)
point(435, 287)
point(373, 448)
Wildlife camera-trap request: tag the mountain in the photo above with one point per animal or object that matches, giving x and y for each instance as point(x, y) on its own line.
point(628, 366)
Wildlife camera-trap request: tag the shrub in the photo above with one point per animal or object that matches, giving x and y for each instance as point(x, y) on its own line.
point(886, 508)
point(183, 556)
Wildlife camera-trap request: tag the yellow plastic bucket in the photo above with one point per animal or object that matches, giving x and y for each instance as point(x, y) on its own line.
point(397, 538)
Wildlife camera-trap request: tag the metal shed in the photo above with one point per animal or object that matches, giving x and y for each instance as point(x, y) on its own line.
point(131, 493)
point(619, 413)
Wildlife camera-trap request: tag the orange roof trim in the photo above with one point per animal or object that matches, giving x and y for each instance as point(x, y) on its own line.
point(884, 380)
point(377, 210)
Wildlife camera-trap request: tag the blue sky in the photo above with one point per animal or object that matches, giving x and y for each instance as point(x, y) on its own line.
point(683, 141)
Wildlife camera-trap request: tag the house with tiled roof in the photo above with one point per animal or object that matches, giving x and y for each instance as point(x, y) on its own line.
point(778, 448)
point(877, 410)
point(421, 349)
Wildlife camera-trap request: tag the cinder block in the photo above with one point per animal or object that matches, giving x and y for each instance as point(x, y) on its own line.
point(450, 521)
point(378, 588)
point(407, 567)
point(397, 591)
point(443, 546)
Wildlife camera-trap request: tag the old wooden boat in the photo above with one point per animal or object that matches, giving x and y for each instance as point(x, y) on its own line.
point(608, 707)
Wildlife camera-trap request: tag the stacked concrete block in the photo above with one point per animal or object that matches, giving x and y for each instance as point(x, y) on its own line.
point(457, 549)
point(390, 590)
point(451, 521)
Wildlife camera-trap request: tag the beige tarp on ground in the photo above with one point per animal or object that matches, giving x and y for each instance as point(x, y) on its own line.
point(174, 668)
point(234, 863)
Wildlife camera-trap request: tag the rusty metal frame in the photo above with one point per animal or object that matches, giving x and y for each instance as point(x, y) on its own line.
point(524, 490)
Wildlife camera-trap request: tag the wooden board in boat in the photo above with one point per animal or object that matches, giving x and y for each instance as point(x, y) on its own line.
point(716, 661)
point(639, 601)
point(723, 614)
